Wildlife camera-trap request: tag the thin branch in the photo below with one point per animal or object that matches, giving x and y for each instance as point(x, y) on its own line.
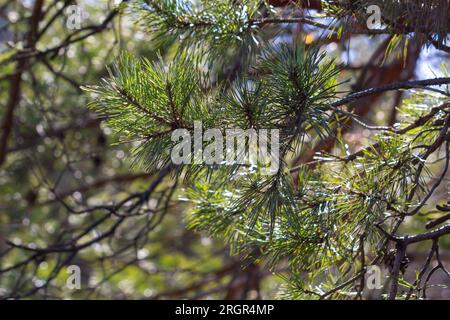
point(390, 87)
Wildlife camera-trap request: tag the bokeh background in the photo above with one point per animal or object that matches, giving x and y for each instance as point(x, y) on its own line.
point(60, 157)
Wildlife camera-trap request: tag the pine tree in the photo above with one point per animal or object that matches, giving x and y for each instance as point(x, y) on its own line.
point(328, 218)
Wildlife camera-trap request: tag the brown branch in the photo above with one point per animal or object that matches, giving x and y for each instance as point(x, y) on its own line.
point(16, 81)
point(432, 235)
point(422, 84)
point(395, 273)
point(437, 221)
point(343, 285)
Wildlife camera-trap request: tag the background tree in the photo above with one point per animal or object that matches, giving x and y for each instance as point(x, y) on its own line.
point(364, 144)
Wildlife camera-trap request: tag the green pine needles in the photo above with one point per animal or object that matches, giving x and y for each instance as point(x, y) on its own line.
point(145, 102)
point(213, 27)
point(320, 217)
